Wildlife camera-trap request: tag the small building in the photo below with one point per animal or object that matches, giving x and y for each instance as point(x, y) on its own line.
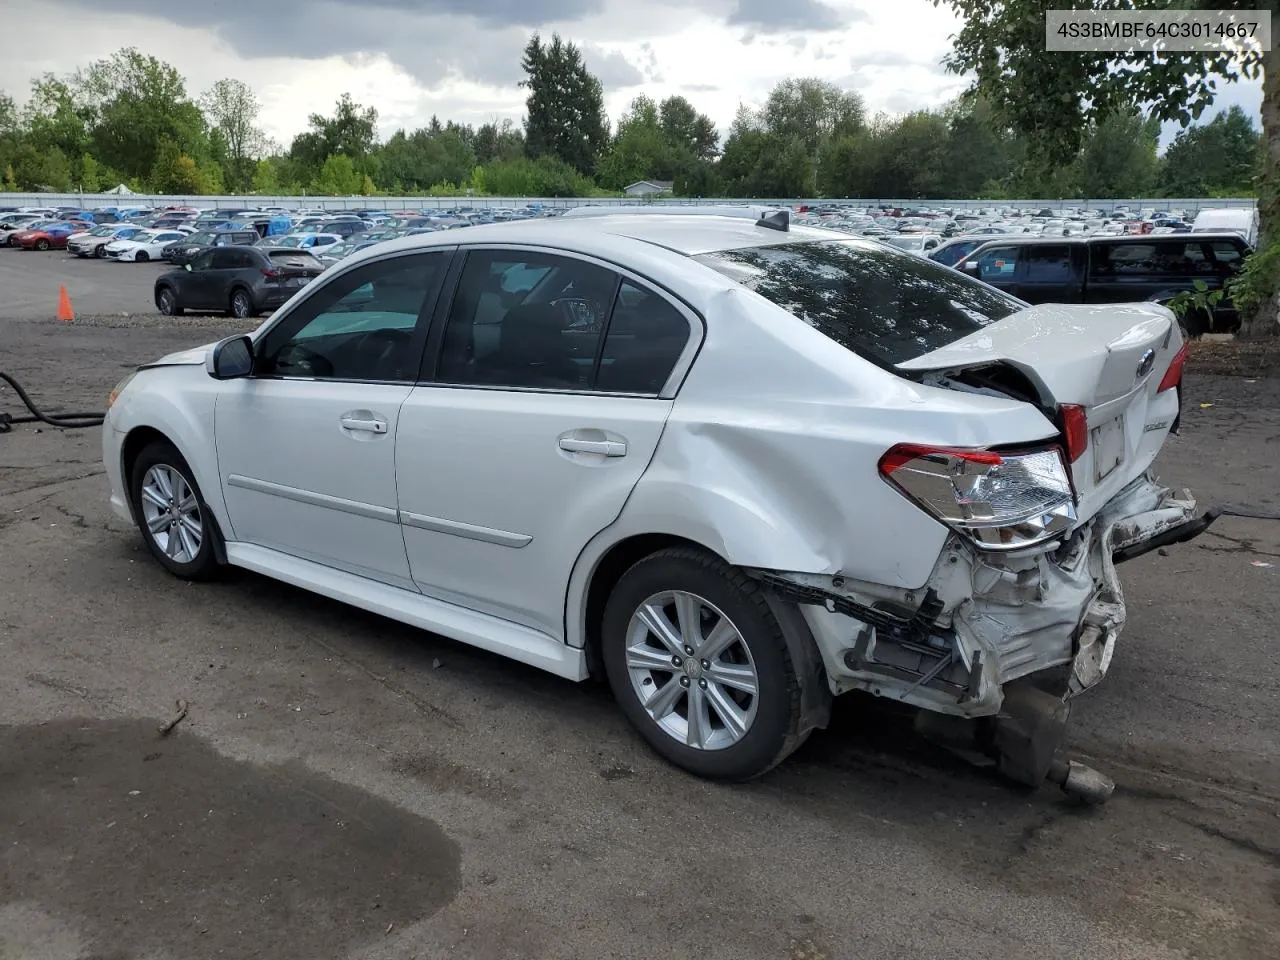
point(648, 188)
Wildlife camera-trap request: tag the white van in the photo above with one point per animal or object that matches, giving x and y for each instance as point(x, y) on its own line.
point(1241, 220)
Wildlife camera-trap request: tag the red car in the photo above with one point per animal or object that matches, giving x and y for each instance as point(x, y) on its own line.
point(50, 236)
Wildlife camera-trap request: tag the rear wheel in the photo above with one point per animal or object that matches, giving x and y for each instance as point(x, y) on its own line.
point(100, 251)
point(171, 513)
point(42, 244)
point(700, 667)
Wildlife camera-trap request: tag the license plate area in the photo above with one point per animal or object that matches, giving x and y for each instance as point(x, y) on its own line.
point(1107, 442)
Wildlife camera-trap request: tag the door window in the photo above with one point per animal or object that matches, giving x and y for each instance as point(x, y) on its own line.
point(645, 338)
point(526, 320)
point(362, 326)
point(227, 259)
point(1227, 255)
point(203, 262)
point(998, 263)
point(1048, 264)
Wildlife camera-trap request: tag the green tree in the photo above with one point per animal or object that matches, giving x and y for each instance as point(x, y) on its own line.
point(232, 109)
point(46, 169)
point(90, 175)
point(1212, 159)
point(338, 177)
point(688, 129)
point(812, 111)
point(351, 131)
point(54, 119)
point(1054, 99)
point(266, 179)
point(137, 102)
point(640, 149)
point(1119, 157)
point(500, 140)
point(565, 115)
point(175, 172)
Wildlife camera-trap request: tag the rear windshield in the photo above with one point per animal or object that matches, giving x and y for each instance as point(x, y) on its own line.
point(884, 305)
point(293, 258)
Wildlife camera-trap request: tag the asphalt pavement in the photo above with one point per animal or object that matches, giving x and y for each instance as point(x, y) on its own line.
point(345, 786)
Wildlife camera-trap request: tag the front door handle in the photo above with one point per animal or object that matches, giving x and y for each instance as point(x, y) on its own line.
point(367, 426)
point(607, 448)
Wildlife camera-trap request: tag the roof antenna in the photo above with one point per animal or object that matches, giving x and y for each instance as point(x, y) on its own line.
point(778, 220)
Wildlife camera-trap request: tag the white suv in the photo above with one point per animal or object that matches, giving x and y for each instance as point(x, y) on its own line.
point(734, 467)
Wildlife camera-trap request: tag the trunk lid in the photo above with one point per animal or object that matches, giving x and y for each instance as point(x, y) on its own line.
point(1109, 359)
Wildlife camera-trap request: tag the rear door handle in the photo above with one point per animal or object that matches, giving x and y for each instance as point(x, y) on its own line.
point(367, 426)
point(607, 448)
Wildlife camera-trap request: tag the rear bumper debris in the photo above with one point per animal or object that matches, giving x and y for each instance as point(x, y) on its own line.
point(985, 620)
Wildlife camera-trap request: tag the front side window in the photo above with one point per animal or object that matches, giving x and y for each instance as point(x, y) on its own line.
point(997, 263)
point(884, 305)
point(526, 320)
point(361, 326)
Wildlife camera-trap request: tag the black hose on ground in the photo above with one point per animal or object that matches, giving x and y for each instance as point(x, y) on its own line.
point(68, 421)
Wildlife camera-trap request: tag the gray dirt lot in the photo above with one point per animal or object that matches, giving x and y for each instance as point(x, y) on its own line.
point(345, 786)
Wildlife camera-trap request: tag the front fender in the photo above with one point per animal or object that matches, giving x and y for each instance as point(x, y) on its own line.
point(178, 402)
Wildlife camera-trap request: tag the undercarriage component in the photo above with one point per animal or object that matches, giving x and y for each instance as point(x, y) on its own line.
point(1028, 731)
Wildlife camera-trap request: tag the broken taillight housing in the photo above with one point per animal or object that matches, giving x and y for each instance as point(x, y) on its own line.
point(1003, 501)
point(1173, 376)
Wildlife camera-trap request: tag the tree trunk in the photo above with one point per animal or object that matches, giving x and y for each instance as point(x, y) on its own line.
point(1266, 320)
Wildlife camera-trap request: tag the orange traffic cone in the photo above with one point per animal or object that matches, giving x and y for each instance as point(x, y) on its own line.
point(64, 305)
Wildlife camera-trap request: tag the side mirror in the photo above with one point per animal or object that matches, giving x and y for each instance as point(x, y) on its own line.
point(187, 267)
point(230, 359)
point(972, 269)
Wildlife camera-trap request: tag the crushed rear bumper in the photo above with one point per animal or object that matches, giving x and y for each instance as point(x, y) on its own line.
point(1052, 614)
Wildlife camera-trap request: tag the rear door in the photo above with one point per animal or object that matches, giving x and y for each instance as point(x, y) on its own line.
point(1049, 273)
point(549, 390)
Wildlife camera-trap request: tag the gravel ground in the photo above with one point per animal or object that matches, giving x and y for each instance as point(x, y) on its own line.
point(344, 786)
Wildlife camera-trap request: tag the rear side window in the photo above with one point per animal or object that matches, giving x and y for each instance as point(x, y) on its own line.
point(1048, 264)
point(1227, 254)
point(884, 305)
point(1155, 259)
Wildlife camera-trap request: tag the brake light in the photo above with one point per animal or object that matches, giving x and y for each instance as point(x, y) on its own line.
point(1075, 430)
point(1001, 501)
point(270, 272)
point(1173, 376)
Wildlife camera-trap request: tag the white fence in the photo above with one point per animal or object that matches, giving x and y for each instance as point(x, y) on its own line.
point(93, 200)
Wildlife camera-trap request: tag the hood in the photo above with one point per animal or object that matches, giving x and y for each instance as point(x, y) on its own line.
point(183, 358)
point(1080, 353)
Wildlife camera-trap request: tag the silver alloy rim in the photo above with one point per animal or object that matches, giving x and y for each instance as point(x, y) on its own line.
point(166, 302)
point(172, 513)
point(240, 305)
point(691, 670)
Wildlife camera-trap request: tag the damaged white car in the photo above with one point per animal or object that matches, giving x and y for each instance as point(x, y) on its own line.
point(736, 467)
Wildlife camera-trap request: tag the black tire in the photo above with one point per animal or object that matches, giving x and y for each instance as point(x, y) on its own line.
point(42, 244)
point(167, 302)
point(142, 257)
point(204, 565)
point(100, 251)
point(774, 732)
point(241, 305)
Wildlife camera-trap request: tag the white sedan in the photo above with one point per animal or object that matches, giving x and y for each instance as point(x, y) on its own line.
point(142, 246)
point(737, 468)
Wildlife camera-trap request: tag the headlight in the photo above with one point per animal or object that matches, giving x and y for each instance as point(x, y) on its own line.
point(114, 395)
point(1002, 501)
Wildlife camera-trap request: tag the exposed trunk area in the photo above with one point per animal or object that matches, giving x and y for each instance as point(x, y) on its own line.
point(1266, 321)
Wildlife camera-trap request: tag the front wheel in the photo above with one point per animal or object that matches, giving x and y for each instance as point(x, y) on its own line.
point(171, 513)
point(100, 251)
point(700, 667)
point(42, 244)
point(167, 302)
point(242, 305)
point(142, 256)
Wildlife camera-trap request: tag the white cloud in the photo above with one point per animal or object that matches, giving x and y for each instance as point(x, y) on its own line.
point(459, 59)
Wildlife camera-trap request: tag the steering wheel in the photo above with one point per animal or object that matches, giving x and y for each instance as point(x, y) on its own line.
point(378, 353)
point(296, 360)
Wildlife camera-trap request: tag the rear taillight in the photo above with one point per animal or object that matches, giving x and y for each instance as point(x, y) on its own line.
point(270, 273)
point(1173, 376)
point(1002, 501)
point(1075, 430)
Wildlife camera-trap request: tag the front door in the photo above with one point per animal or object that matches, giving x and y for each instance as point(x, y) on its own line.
point(548, 399)
point(306, 446)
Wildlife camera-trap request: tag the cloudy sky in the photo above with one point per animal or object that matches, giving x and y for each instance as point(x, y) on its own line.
point(460, 59)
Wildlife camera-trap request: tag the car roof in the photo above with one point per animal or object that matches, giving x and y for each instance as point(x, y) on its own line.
point(685, 234)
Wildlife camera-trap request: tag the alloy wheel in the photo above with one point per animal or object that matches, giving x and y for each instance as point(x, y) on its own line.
point(240, 305)
point(691, 670)
point(166, 302)
point(172, 513)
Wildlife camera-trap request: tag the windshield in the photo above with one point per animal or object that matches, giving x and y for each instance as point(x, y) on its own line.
point(294, 241)
point(143, 236)
point(887, 307)
point(102, 231)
